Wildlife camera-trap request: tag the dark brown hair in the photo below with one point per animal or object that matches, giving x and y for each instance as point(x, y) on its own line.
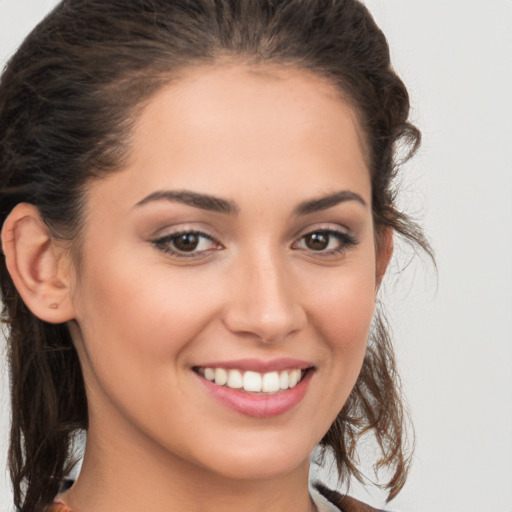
point(68, 100)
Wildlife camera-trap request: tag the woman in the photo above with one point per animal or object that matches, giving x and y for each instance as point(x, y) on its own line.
point(198, 210)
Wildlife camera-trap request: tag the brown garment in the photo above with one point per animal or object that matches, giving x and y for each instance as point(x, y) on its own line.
point(343, 502)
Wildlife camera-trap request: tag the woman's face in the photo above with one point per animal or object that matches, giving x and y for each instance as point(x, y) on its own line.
point(236, 244)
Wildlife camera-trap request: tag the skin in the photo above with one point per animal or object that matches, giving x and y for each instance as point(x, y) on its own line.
point(142, 318)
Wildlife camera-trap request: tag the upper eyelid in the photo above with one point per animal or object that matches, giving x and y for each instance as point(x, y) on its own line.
point(332, 232)
point(323, 226)
point(168, 232)
point(184, 232)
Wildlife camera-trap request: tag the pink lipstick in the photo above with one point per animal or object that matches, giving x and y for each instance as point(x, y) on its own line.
point(257, 388)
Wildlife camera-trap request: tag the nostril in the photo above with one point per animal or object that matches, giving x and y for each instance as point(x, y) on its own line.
point(268, 327)
point(263, 299)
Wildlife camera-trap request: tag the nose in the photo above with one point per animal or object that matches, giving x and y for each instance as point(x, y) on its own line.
point(264, 300)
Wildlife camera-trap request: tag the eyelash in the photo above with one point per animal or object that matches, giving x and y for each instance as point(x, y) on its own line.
point(164, 243)
point(345, 240)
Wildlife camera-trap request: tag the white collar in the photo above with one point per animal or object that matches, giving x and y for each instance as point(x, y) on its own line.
point(321, 502)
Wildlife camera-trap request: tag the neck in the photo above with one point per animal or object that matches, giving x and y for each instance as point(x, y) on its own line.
point(120, 475)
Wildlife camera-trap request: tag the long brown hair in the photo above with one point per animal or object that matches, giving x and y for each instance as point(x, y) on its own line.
point(68, 100)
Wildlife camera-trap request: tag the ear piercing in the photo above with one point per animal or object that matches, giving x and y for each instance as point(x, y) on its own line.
point(53, 305)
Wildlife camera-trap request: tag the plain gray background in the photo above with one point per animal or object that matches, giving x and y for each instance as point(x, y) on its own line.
point(453, 333)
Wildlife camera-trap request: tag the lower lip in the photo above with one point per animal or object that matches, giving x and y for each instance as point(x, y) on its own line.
point(258, 406)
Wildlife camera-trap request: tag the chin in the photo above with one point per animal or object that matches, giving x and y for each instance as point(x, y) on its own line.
point(259, 461)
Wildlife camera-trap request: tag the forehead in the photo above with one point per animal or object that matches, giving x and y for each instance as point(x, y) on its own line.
point(231, 129)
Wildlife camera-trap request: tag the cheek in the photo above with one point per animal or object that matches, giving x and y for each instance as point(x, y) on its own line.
point(344, 301)
point(342, 313)
point(136, 320)
point(347, 318)
point(143, 306)
point(137, 330)
point(341, 307)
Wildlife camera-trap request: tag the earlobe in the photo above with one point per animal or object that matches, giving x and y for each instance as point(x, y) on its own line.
point(384, 251)
point(37, 266)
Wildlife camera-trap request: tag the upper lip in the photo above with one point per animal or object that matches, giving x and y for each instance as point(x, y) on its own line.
point(259, 365)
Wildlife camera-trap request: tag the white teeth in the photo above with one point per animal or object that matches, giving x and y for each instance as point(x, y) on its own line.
point(221, 376)
point(234, 379)
point(254, 382)
point(270, 382)
point(293, 378)
point(209, 373)
point(283, 380)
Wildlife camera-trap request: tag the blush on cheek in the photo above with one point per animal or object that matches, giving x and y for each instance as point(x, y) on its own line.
point(346, 321)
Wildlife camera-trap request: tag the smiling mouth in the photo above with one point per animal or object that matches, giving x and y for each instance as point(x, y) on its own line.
point(267, 383)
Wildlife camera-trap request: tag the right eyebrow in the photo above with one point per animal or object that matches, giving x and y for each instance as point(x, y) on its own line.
point(195, 199)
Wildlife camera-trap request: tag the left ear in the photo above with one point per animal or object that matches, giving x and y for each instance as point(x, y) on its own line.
point(38, 266)
point(383, 252)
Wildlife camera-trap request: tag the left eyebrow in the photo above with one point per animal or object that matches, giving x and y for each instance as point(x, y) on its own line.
point(323, 203)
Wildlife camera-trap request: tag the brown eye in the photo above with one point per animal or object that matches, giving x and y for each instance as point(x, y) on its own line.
point(325, 242)
point(317, 241)
point(186, 242)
